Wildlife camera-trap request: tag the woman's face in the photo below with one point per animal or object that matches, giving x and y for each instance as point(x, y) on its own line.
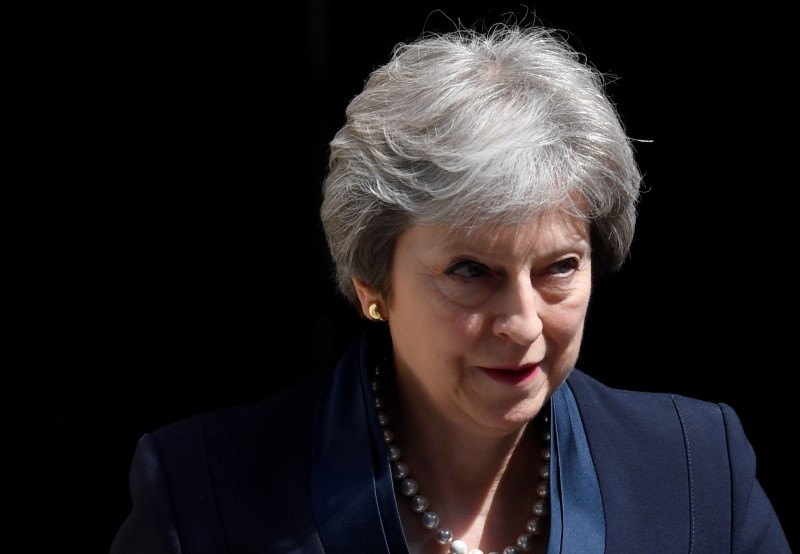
point(486, 325)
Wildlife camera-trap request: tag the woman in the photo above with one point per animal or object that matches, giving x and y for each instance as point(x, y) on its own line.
point(480, 182)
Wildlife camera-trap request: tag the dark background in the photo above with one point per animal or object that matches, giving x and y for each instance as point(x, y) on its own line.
point(171, 259)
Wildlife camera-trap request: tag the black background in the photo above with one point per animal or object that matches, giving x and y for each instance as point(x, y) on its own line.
point(171, 259)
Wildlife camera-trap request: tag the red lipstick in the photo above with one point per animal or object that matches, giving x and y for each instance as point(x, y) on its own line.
point(512, 376)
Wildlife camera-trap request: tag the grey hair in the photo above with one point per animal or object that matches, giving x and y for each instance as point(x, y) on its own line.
point(469, 129)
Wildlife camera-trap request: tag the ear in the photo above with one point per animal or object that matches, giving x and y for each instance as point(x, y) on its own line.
point(366, 296)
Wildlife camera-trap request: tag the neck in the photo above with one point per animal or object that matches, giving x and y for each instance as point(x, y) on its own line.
point(481, 485)
point(455, 458)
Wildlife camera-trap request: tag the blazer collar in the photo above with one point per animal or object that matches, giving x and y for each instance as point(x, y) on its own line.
point(351, 483)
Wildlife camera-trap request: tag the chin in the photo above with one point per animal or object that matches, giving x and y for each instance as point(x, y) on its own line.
point(516, 417)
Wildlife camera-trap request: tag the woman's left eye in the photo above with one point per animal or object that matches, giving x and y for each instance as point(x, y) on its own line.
point(566, 265)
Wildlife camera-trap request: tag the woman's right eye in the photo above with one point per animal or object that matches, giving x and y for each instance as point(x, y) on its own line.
point(467, 270)
point(468, 283)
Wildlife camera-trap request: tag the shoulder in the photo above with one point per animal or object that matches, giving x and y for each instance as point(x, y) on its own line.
point(285, 418)
point(664, 429)
point(685, 451)
point(656, 421)
point(603, 400)
point(226, 472)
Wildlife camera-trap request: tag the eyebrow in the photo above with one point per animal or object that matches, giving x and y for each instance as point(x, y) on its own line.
point(448, 245)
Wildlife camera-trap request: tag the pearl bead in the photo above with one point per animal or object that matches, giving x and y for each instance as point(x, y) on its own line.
point(540, 508)
point(458, 547)
point(510, 550)
point(476, 551)
point(544, 471)
point(399, 470)
point(525, 542)
point(541, 489)
point(430, 520)
point(409, 487)
point(444, 535)
point(419, 503)
point(534, 526)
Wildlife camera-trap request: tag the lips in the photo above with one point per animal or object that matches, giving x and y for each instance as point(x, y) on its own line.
point(511, 376)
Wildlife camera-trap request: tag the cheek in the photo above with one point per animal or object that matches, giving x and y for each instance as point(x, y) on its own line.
point(431, 322)
point(466, 326)
point(461, 294)
point(442, 336)
point(565, 322)
point(444, 331)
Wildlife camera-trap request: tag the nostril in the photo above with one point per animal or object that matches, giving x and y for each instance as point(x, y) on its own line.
point(523, 328)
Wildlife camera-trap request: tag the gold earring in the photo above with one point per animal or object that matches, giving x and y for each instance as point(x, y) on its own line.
point(374, 312)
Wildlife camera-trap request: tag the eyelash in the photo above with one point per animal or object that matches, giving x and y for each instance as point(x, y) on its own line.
point(454, 270)
point(572, 264)
point(553, 269)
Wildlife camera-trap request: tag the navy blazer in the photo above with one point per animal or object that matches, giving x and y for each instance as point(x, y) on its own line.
point(306, 472)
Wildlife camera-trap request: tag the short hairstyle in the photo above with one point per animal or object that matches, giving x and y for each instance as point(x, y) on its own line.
point(469, 129)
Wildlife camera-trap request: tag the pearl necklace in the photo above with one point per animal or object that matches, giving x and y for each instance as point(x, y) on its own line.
point(430, 519)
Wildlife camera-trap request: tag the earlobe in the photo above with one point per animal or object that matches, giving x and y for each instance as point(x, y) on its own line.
point(375, 311)
point(369, 299)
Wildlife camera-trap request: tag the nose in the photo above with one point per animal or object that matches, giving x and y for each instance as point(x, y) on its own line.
point(518, 317)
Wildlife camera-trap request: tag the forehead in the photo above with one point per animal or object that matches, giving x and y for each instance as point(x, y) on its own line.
point(552, 229)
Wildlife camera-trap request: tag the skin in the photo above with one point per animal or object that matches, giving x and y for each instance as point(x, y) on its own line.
point(485, 327)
